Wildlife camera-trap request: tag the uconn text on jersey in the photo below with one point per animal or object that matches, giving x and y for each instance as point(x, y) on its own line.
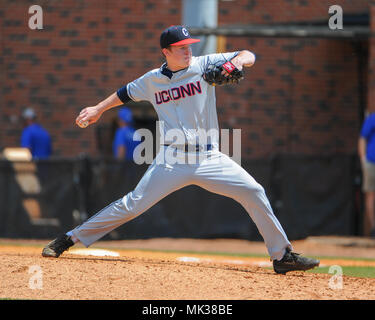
point(178, 92)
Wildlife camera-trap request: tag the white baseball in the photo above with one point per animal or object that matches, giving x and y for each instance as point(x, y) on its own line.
point(83, 124)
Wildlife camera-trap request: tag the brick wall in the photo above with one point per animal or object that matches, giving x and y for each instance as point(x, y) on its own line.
point(86, 51)
point(302, 96)
point(281, 11)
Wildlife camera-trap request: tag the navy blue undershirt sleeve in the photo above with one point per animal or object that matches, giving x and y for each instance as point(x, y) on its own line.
point(122, 93)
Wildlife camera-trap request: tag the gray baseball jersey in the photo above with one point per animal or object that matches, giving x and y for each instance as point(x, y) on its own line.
point(184, 101)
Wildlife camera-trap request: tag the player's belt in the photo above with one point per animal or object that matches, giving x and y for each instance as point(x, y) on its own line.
point(190, 147)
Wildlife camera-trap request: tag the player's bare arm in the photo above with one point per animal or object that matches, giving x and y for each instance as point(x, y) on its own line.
point(362, 149)
point(121, 152)
point(244, 59)
point(229, 71)
point(92, 114)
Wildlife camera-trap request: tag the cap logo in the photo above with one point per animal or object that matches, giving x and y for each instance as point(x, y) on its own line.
point(185, 32)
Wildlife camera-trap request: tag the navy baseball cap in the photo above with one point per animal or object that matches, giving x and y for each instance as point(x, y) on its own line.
point(176, 36)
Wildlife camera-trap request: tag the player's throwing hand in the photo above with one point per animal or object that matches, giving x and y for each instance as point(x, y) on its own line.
point(88, 116)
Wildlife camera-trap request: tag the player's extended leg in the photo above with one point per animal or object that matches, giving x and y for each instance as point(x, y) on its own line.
point(219, 174)
point(223, 176)
point(158, 181)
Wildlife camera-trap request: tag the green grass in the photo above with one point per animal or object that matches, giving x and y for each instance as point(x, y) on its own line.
point(361, 272)
point(343, 258)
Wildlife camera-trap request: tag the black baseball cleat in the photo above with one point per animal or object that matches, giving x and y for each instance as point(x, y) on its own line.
point(56, 247)
point(292, 261)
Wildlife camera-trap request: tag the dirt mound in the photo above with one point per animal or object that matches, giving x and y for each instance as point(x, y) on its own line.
point(132, 274)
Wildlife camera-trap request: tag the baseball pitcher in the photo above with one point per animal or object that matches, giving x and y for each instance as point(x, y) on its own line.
point(182, 91)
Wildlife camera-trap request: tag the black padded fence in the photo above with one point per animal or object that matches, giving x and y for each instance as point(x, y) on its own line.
point(310, 196)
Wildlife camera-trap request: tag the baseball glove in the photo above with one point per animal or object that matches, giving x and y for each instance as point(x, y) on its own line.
point(213, 74)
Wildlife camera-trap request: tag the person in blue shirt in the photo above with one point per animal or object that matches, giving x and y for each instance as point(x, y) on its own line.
point(124, 141)
point(366, 152)
point(35, 137)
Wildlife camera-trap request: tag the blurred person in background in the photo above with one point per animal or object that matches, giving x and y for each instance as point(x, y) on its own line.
point(125, 139)
point(35, 137)
point(366, 152)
